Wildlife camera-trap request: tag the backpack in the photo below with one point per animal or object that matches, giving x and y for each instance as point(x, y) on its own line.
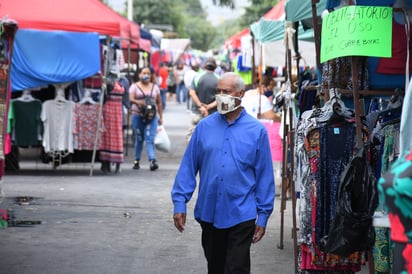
point(148, 110)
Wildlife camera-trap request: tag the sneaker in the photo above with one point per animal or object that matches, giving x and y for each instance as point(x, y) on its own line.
point(153, 165)
point(136, 164)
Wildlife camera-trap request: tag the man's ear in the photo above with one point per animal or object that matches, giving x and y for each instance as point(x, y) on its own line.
point(242, 93)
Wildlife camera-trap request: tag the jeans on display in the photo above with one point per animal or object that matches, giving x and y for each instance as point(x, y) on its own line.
point(181, 93)
point(144, 131)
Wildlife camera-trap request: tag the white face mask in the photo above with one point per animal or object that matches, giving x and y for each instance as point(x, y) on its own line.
point(226, 103)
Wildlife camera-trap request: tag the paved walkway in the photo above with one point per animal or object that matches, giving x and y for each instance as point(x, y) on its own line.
point(116, 223)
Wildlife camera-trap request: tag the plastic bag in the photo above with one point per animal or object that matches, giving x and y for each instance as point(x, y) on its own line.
point(351, 228)
point(162, 141)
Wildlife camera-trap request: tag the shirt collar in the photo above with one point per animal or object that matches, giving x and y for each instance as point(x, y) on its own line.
point(241, 114)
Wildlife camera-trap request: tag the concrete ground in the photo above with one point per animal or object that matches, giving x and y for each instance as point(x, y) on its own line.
point(117, 223)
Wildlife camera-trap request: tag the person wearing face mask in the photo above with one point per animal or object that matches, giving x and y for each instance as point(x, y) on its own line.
point(258, 105)
point(269, 87)
point(144, 128)
point(230, 152)
point(202, 92)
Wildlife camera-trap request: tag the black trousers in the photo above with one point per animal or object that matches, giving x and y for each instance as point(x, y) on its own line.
point(227, 251)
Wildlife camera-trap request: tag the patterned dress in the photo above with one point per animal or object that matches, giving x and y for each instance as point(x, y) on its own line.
point(112, 137)
point(85, 126)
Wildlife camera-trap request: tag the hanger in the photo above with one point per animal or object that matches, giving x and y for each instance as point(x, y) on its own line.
point(322, 114)
point(87, 99)
point(334, 109)
point(394, 107)
point(60, 95)
point(26, 96)
point(396, 100)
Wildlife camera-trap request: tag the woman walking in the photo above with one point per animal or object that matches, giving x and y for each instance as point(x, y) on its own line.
point(143, 122)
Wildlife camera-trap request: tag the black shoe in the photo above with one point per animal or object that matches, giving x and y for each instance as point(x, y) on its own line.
point(136, 165)
point(105, 167)
point(117, 170)
point(153, 165)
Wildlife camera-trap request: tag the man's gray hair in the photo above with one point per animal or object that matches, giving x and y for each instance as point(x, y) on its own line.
point(239, 83)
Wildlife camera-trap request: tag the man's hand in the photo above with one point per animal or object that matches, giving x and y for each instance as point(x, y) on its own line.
point(203, 110)
point(259, 232)
point(180, 221)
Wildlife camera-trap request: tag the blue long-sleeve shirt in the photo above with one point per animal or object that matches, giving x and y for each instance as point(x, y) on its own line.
point(235, 168)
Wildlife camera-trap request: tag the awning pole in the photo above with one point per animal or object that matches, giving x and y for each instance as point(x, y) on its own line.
point(104, 86)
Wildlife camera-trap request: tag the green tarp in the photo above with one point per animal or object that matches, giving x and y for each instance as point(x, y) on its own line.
point(274, 30)
point(268, 30)
point(297, 10)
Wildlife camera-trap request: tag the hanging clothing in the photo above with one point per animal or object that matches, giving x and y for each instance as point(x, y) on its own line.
point(318, 166)
point(275, 140)
point(112, 137)
point(7, 142)
point(86, 117)
point(337, 73)
point(57, 118)
point(246, 75)
point(26, 123)
point(385, 141)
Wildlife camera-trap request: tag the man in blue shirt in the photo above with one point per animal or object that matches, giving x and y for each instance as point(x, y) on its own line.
point(230, 151)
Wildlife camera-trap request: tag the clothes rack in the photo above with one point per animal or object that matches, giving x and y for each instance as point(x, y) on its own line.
point(356, 92)
point(287, 149)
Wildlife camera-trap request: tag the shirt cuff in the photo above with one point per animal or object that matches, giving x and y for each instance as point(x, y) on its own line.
point(180, 208)
point(262, 220)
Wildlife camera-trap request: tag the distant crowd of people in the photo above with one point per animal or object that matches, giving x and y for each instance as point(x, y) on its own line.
point(193, 85)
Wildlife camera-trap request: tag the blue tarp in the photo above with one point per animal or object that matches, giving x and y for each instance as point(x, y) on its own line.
point(41, 58)
point(145, 34)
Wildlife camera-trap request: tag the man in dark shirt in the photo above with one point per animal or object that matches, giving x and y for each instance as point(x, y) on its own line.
point(202, 92)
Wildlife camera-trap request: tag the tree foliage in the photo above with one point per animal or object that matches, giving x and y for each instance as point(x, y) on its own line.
point(155, 12)
point(253, 13)
point(186, 18)
point(256, 10)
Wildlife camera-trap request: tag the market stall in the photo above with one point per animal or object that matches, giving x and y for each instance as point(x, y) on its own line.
point(58, 42)
point(357, 81)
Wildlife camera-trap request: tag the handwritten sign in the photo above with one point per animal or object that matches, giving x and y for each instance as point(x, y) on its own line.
point(357, 30)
